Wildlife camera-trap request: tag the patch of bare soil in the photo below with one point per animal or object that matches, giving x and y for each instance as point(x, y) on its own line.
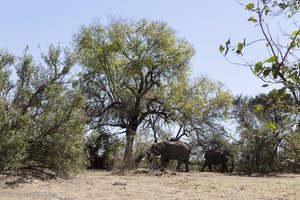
point(151, 185)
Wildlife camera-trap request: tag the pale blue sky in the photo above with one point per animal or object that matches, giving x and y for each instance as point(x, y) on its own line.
point(205, 24)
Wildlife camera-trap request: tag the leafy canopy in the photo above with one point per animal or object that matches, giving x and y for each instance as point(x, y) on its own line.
point(127, 66)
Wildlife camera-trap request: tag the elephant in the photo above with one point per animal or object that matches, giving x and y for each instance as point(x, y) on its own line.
point(146, 154)
point(171, 150)
point(216, 158)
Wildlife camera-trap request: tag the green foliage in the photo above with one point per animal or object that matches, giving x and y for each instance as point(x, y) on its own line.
point(221, 48)
point(137, 71)
point(197, 108)
point(14, 128)
point(60, 139)
point(289, 7)
point(266, 72)
point(266, 127)
point(258, 67)
point(250, 6)
point(240, 47)
point(267, 122)
point(41, 117)
point(282, 66)
point(127, 66)
point(271, 59)
point(6, 59)
point(252, 19)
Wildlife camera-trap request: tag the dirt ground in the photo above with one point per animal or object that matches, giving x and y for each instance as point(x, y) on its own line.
point(151, 185)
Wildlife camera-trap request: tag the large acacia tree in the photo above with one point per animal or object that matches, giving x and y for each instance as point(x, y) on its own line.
point(127, 66)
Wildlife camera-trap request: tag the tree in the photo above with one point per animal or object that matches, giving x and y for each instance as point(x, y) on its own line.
point(198, 107)
point(42, 118)
point(127, 66)
point(266, 127)
point(278, 64)
point(281, 65)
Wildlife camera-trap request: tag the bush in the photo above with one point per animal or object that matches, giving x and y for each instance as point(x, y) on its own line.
point(58, 143)
point(42, 118)
point(14, 130)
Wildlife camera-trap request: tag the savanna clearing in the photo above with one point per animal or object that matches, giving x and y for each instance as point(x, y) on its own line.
point(153, 185)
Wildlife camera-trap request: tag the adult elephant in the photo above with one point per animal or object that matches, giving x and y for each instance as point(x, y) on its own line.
point(172, 150)
point(217, 158)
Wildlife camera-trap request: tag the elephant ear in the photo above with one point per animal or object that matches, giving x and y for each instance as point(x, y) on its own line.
point(158, 148)
point(163, 146)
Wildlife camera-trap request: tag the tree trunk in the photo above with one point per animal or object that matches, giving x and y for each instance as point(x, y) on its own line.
point(128, 161)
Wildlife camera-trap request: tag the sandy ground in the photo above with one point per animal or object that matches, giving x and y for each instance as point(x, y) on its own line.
point(153, 185)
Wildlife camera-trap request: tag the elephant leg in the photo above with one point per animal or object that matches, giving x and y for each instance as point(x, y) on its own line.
point(224, 168)
point(167, 162)
point(178, 164)
point(186, 162)
point(163, 162)
point(210, 169)
point(204, 165)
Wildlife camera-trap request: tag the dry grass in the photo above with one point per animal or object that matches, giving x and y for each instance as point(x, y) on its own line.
point(152, 185)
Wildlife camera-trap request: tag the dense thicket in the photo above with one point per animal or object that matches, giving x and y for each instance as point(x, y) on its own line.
point(41, 116)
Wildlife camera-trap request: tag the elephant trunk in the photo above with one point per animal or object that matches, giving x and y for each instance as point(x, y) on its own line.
point(141, 156)
point(155, 152)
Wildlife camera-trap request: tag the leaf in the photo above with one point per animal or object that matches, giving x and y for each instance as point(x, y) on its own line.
point(266, 72)
point(228, 42)
point(275, 72)
point(249, 6)
point(221, 48)
point(271, 59)
point(273, 92)
point(258, 66)
point(252, 19)
point(259, 108)
point(271, 126)
point(267, 11)
point(265, 85)
point(240, 47)
point(282, 91)
point(294, 33)
point(227, 46)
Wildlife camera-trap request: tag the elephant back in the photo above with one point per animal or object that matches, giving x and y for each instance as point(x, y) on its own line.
point(175, 149)
point(214, 157)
